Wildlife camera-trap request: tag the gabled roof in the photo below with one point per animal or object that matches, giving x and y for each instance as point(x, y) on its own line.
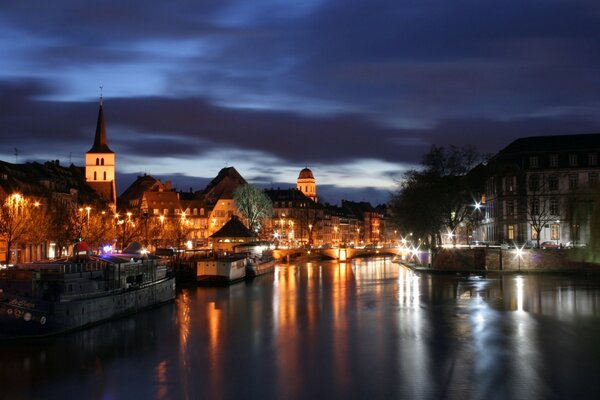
point(543, 144)
point(136, 190)
point(100, 143)
point(358, 208)
point(223, 186)
point(234, 228)
point(294, 195)
point(35, 179)
point(162, 200)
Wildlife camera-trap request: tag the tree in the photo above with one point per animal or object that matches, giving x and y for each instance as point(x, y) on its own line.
point(254, 205)
point(438, 195)
point(15, 220)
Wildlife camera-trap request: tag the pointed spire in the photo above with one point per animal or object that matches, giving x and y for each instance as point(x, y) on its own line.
point(100, 143)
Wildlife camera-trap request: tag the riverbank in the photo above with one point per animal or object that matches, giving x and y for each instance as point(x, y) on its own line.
point(493, 260)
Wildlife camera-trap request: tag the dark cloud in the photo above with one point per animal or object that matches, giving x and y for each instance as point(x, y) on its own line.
point(320, 82)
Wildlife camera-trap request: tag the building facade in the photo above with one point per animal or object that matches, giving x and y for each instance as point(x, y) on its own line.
point(541, 189)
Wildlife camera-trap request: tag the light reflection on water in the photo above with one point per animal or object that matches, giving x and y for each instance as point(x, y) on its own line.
point(361, 329)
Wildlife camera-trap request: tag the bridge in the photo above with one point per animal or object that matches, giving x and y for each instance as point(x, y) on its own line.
point(338, 253)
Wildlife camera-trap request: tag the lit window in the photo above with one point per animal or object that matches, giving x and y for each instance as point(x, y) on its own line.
point(511, 232)
point(534, 233)
point(554, 232)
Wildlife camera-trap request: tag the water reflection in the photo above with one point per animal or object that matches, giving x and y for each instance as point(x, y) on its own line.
point(361, 329)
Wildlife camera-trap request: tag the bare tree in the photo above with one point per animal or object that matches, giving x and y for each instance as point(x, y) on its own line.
point(542, 208)
point(15, 219)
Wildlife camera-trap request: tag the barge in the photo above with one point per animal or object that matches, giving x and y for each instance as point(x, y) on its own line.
point(47, 298)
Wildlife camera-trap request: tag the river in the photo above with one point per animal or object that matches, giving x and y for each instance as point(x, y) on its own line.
point(369, 329)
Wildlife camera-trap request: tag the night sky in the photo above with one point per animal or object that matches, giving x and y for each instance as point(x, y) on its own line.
point(355, 90)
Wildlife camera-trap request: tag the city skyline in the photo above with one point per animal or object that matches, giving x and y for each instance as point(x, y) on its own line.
point(357, 93)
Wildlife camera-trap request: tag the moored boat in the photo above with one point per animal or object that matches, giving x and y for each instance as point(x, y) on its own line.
point(259, 266)
point(46, 298)
point(221, 269)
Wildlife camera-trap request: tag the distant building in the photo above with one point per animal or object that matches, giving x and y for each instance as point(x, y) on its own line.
point(545, 182)
point(307, 184)
point(100, 164)
point(218, 197)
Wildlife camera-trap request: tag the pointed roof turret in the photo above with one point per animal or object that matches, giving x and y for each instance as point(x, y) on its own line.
point(100, 143)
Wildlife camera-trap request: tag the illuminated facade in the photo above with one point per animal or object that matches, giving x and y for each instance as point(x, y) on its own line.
point(100, 164)
point(307, 184)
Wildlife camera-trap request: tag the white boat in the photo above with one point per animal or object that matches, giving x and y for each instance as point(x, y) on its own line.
point(221, 270)
point(259, 266)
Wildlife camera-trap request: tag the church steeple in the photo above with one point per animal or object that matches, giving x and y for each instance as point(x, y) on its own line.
point(100, 143)
point(100, 163)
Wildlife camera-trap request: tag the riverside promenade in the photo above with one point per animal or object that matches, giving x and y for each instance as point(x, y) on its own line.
point(478, 260)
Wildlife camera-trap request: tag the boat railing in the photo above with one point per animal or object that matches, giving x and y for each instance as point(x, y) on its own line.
point(72, 268)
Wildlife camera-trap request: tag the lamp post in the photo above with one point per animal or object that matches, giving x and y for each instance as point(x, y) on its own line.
point(309, 233)
point(88, 209)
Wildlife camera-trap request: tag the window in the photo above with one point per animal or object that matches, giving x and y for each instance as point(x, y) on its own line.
point(593, 159)
point(202, 211)
point(534, 233)
point(554, 160)
point(533, 162)
point(534, 208)
point(554, 232)
point(177, 211)
point(510, 207)
point(195, 211)
point(155, 211)
point(534, 182)
point(511, 232)
point(573, 180)
point(165, 211)
point(97, 161)
point(102, 161)
point(553, 182)
point(95, 175)
point(554, 206)
point(509, 183)
point(573, 160)
point(593, 178)
point(104, 175)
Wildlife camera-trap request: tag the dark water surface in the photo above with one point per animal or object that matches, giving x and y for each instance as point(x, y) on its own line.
point(362, 330)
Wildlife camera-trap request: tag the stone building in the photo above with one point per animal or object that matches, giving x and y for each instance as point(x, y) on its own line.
point(545, 186)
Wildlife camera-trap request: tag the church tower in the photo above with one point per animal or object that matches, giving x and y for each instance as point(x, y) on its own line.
point(307, 184)
point(100, 163)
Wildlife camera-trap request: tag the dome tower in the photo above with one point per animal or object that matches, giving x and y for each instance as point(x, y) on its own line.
point(307, 184)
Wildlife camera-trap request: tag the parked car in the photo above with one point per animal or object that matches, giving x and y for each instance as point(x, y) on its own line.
point(570, 245)
point(550, 245)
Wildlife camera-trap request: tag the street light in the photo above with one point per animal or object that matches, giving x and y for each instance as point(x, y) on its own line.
point(88, 208)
